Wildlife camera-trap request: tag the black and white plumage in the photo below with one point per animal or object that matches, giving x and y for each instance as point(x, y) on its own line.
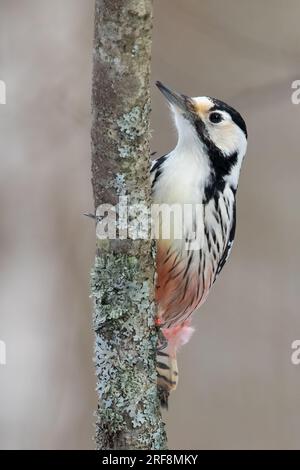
point(202, 172)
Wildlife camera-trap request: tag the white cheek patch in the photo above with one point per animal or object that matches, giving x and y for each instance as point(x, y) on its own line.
point(226, 135)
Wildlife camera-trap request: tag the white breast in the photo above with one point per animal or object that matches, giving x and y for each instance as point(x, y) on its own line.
point(184, 173)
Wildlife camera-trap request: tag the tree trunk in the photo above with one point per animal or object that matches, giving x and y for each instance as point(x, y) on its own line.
point(128, 415)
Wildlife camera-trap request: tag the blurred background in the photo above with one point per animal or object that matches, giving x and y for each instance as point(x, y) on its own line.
point(245, 393)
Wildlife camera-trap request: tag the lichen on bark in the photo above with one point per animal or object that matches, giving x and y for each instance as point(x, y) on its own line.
point(128, 415)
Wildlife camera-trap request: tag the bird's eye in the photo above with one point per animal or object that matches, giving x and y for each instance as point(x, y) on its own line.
point(215, 117)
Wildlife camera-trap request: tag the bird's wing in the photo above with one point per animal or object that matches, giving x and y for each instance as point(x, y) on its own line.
point(155, 170)
point(229, 244)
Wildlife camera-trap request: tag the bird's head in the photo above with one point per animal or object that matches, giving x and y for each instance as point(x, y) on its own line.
point(220, 128)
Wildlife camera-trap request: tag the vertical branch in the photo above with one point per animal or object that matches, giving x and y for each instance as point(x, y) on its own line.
point(128, 415)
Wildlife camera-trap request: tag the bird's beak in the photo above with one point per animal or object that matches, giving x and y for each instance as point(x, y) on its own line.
point(183, 102)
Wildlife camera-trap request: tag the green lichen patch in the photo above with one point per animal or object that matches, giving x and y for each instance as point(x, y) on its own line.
point(132, 126)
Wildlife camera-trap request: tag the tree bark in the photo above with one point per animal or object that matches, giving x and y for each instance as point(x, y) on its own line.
point(128, 415)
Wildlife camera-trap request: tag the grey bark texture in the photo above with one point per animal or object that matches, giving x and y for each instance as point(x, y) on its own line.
point(128, 415)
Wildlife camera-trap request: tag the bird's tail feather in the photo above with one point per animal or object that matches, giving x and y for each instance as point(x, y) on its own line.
point(167, 375)
point(167, 369)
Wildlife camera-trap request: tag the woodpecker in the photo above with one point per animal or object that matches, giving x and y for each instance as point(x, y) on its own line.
point(202, 171)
